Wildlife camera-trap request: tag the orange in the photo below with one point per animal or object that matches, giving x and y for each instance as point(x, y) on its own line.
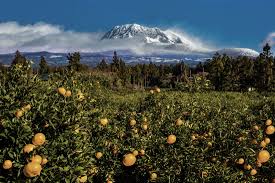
point(263, 156)
point(36, 159)
point(32, 169)
point(44, 161)
point(83, 179)
point(270, 130)
point(68, 93)
point(129, 159)
point(133, 122)
point(27, 107)
point(152, 91)
point(7, 164)
point(267, 140)
point(103, 121)
point(142, 152)
point(263, 144)
point(256, 127)
point(254, 141)
point(240, 161)
point(39, 139)
point(144, 126)
point(253, 172)
point(268, 122)
point(28, 148)
point(193, 137)
point(179, 122)
point(153, 176)
point(157, 90)
point(61, 91)
point(135, 152)
point(19, 113)
point(98, 155)
point(171, 139)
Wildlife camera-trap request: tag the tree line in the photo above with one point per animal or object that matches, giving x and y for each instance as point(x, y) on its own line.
point(221, 73)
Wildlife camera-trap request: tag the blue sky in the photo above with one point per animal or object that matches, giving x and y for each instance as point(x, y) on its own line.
point(239, 23)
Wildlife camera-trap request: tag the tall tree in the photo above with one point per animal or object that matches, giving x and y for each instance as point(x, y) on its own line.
point(19, 59)
point(43, 66)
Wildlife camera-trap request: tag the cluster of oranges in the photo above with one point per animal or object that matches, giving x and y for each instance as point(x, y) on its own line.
point(157, 90)
point(263, 156)
point(20, 112)
point(34, 167)
point(64, 92)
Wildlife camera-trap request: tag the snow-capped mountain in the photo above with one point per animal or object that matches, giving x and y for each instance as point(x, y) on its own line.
point(149, 35)
point(234, 52)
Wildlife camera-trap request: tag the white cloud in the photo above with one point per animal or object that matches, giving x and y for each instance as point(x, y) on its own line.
point(270, 39)
point(53, 38)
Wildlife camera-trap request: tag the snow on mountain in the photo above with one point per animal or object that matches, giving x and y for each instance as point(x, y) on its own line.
point(234, 52)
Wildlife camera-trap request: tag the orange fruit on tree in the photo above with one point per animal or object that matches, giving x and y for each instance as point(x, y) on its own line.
point(44, 161)
point(32, 169)
point(179, 122)
point(36, 159)
point(39, 139)
point(171, 139)
point(68, 93)
point(28, 148)
point(135, 152)
point(267, 140)
point(27, 107)
point(98, 155)
point(253, 172)
point(270, 130)
point(61, 91)
point(144, 126)
point(153, 176)
point(133, 122)
point(263, 156)
point(256, 127)
point(247, 167)
point(263, 144)
point(83, 179)
point(19, 113)
point(268, 122)
point(240, 161)
point(157, 90)
point(152, 91)
point(7, 164)
point(142, 152)
point(129, 159)
point(103, 121)
point(254, 141)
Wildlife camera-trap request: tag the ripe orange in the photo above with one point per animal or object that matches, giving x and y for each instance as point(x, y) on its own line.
point(240, 161)
point(135, 152)
point(133, 122)
point(129, 159)
point(103, 121)
point(256, 127)
point(157, 90)
point(44, 161)
point(253, 172)
point(254, 141)
point(109, 181)
point(32, 169)
point(153, 176)
point(267, 140)
point(152, 91)
point(263, 144)
point(27, 107)
point(83, 179)
point(270, 130)
point(61, 91)
point(7, 164)
point(263, 156)
point(19, 113)
point(179, 122)
point(39, 139)
point(171, 139)
point(268, 122)
point(142, 152)
point(144, 126)
point(98, 155)
point(193, 137)
point(68, 93)
point(28, 148)
point(36, 159)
